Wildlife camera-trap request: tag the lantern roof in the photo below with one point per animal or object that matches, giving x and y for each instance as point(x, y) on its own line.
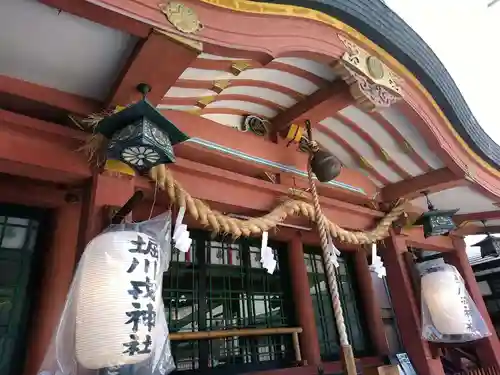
point(435, 212)
point(141, 109)
point(488, 238)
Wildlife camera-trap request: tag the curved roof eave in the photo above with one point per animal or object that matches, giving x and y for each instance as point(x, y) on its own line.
point(385, 28)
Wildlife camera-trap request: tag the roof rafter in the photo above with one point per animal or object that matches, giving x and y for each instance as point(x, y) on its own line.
point(316, 107)
point(158, 60)
point(478, 216)
point(434, 181)
point(25, 97)
point(472, 229)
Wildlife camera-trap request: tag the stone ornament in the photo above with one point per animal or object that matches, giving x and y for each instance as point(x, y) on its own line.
point(181, 17)
point(373, 85)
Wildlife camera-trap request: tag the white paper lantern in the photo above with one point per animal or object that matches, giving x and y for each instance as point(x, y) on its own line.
point(447, 301)
point(117, 300)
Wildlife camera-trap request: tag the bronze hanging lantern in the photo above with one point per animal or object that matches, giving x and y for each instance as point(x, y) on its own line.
point(490, 246)
point(140, 135)
point(436, 222)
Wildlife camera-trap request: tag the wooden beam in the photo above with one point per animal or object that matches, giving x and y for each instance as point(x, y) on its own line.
point(316, 107)
point(41, 160)
point(415, 238)
point(477, 216)
point(39, 150)
point(203, 335)
point(434, 181)
point(247, 154)
point(248, 194)
point(470, 229)
point(28, 192)
point(17, 88)
point(106, 17)
point(158, 60)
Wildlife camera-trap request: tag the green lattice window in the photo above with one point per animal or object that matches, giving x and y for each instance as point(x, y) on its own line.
point(325, 320)
point(20, 260)
point(221, 285)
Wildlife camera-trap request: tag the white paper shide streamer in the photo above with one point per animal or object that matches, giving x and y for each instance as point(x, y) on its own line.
point(181, 238)
point(266, 254)
point(117, 299)
point(333, 252)
point(377, 265)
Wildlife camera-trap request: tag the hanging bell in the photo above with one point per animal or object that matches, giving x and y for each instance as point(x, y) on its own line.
point(325, 165)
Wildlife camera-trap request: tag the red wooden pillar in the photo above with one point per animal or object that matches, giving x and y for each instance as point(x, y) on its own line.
point(370, 304)
point(75, 225)
point(106, 189)
point(488, 349)
point(309, 343)
point(56, 280)
point(406, 308)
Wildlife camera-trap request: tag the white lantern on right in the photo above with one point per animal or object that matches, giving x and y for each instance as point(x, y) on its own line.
point(448, 312)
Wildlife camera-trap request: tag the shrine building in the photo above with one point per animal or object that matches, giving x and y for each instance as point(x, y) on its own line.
point(245, 81)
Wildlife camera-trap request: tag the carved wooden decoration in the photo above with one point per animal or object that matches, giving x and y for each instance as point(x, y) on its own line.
point(371, 82)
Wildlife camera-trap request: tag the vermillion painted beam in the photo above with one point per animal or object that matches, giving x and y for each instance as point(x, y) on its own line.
point(72, 103)
point(43, 130)
point(236, 192)
point(106, 17)
point(39, 159)
point(470, 229)
point(257, 147)
point(53, 157)
point(30, 193)
point(477, 216)
point(316, 107)
point(415, 238)
point(40, 150)
point(434, 181)
point(158, 61)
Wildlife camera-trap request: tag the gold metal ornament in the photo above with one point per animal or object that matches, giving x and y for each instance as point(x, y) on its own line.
point(375, 67)
point(181, 17)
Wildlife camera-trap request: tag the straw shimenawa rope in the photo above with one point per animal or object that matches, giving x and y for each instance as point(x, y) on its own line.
point(221, 223)
point(331, 278)
point(96, 146)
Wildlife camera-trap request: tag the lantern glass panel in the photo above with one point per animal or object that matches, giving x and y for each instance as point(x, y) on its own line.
point(437, 222)
point(490, 246)
point(142, 145)
point(440, 225)
point(496, 245)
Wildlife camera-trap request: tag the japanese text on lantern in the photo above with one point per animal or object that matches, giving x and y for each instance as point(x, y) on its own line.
point(465, 303)
point(143, 269)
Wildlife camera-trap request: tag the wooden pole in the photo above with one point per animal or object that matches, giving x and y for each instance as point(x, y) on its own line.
point(204, 335)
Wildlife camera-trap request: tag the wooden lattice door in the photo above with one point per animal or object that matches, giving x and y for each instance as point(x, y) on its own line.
point(18, 236)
